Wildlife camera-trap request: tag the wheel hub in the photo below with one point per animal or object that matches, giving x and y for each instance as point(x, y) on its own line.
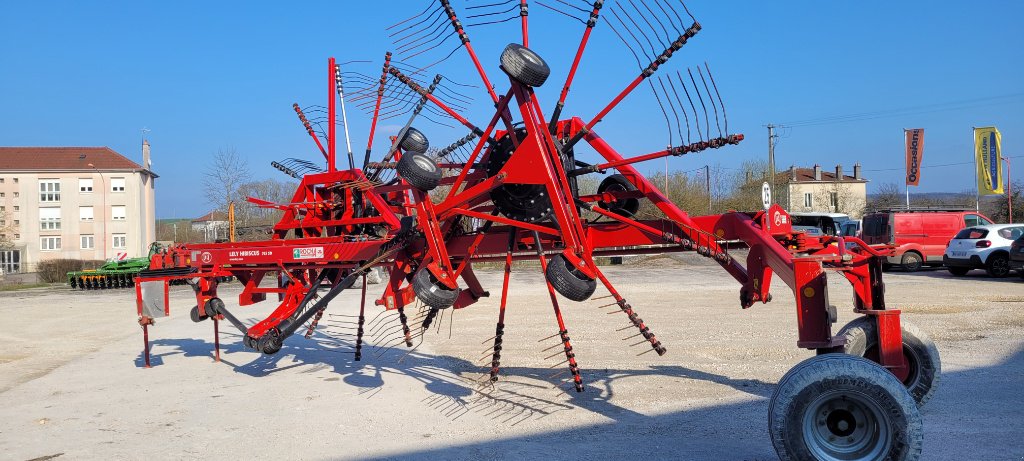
point(845, 426)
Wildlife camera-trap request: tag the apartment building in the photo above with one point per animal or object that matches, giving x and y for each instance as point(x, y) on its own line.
point(88, 203)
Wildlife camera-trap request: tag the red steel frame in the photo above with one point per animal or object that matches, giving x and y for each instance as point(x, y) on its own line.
point(320, 240)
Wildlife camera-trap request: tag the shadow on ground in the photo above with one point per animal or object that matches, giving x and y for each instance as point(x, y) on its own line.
point(729, 431)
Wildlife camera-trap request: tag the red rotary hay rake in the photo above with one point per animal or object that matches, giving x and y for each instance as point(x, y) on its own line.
point(508, 191)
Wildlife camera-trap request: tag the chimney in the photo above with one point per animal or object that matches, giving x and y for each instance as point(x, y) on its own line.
point(839, 172)
point(146, 163)
point(856, 170)
point(792, 173)
point(817, 172)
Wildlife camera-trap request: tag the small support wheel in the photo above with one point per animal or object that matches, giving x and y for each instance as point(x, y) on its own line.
point(841, 407)
point(213, 306)
point(419, 170)
point(196, 316)
point(623, 207)
point(269, 344)
point(414, 141)
point(524, 65)
point(923, 363)
point(568, 280)
point(432, 292)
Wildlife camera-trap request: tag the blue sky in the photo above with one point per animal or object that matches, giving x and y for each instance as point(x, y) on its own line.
point(210, 75)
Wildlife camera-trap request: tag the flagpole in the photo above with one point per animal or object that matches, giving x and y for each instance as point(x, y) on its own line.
point(907, 183)
point(974, 153)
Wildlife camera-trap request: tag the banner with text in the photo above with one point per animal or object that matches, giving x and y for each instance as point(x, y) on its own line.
point(915, 150)
point(987, 156)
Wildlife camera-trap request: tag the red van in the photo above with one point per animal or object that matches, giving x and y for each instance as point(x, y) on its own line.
point(920, 235)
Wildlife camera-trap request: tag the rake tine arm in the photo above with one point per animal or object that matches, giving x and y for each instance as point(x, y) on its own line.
point(591, 22)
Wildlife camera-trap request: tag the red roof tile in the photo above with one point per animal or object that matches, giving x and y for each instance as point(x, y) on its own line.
point(212, 216)
point(63, 158)
point(807, 175)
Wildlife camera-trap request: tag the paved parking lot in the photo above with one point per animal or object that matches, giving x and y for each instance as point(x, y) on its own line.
point(71, 380)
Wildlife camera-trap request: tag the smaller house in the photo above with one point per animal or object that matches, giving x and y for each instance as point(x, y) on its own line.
point(815, 190)
point(213, 225)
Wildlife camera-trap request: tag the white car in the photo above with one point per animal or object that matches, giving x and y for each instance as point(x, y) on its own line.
point(982, 247)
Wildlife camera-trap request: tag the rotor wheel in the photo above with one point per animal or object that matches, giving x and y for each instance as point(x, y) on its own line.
point(419, 171)
point(524, 65)
point(842, 407)
point(626, 207)
point(432, 292)
point(919, 351)
point(568, 281)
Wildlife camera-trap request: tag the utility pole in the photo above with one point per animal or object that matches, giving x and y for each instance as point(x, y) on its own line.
point(707, 184)
point(771, 155)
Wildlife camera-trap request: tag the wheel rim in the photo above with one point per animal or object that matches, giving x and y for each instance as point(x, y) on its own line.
point(910, 356)
point(845, 425)
point(1000, 267)
point(424, 163)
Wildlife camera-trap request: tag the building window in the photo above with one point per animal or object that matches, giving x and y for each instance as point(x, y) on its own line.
point(49, 190)
point(85, 184)
point(2, 195)
point(49, 219)
point(17, 208)
point(88, 242)
point(3, 209)
point(49, 243)
point(120, 241)
point(17, 194)
point(10, 261)
point(117, 213)
point(834, 199)
point(1, 180)
point(85, 213)
point(117, 184)
point(808, 200)
point(17, 222)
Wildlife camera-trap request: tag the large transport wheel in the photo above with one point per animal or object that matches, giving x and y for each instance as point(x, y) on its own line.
point(998, 265)
point(414, 141)
point(911, 261)
point(841, 407)
point(923, 363)
point(568, 280)
point(524, 66)
point(432, 292)
point(419, 170)
point(623, 207)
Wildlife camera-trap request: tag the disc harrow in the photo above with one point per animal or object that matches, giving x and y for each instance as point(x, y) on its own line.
point(505, 190)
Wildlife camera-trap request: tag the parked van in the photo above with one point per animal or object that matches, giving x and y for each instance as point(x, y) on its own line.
point(919, 234)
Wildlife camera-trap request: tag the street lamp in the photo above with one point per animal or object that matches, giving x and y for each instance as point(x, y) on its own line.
point(103, 196)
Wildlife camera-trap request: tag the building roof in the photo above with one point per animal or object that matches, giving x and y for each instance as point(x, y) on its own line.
point(212, 216)
point(807, 175)
point(63, 159)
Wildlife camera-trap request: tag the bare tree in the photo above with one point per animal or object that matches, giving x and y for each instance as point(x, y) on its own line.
point(888, 196)
point(226, 172)
point(838, 197)
point(7, 230)
point(271, 190)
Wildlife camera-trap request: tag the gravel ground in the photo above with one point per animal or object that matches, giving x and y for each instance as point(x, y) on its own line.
point(71, 380)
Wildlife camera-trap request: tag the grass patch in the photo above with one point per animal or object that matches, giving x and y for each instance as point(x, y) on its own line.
point(21, 286)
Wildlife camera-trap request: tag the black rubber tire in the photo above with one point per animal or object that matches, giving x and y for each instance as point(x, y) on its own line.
point(623, 207)
point(414, 141)
point(911, 261)
point(919, 350)
point(269, 344)
point(432, 292)
point(568, 280)
point(194, 315)
point(524, 66)
point(833, 402)
point(998, 265)
point(419, 170)
point(958, 271)
point(213, 306)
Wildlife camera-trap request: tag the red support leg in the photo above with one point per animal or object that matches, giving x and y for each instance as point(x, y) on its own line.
point(499, 330)
point(563, 333)
point(216, 339)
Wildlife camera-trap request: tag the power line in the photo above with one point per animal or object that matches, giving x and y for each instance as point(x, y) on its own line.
point(937, 166)
point(913, 110)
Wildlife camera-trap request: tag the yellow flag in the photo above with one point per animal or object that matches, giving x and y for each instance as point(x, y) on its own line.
point(987, 156)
